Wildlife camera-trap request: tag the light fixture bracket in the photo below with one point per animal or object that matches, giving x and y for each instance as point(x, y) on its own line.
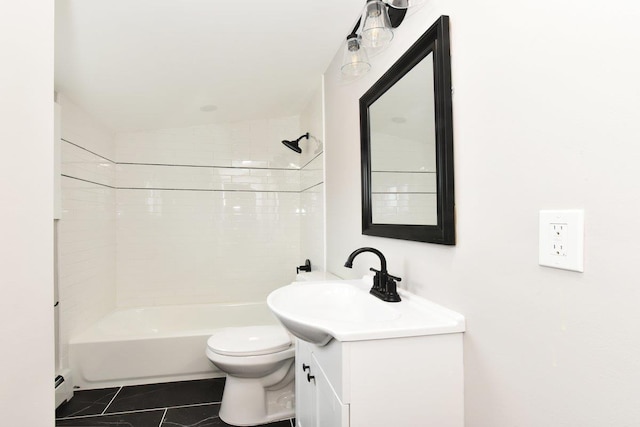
point(396, 16)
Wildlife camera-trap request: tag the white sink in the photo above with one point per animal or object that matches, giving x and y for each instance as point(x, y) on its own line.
point(318, 312)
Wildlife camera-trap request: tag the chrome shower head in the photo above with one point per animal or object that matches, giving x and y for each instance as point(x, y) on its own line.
point(294, 145)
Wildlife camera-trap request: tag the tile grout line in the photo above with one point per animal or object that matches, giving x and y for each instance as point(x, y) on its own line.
point(163, 417)
point(133, 411)
point(111, 401)
point(193, 405)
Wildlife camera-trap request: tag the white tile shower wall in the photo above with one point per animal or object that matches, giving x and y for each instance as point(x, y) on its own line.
point(204, 246)
point(87, 256)
point(312, 226)
point(207, 178)
point(245, 144)
point(84, 130)
point(312, 184)
point(86, 242)
point(207, 214)
point(312, 173)
point(77, 162)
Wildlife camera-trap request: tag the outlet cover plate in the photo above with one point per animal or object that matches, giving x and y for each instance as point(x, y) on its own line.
point(571, 239)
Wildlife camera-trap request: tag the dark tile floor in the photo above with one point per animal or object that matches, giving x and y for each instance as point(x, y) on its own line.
point(178, 404)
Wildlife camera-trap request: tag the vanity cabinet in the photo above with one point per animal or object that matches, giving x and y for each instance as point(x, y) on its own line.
point(317, 404)
point(412, 381)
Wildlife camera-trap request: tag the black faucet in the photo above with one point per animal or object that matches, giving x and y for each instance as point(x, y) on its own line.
point(384, 284)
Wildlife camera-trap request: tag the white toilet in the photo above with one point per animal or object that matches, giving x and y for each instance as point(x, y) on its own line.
point(258, 361)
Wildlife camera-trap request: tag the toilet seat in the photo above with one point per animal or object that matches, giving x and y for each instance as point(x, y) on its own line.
point(250, 341)
point(259, 365)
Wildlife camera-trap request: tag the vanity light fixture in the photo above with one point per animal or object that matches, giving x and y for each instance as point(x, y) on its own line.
point(355, 61)
point(376, 26)
point(378, 21)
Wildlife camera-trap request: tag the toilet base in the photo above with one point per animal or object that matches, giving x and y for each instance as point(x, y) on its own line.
point(246, 401)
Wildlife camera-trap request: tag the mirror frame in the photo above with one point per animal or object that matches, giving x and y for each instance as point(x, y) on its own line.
point(435, 40)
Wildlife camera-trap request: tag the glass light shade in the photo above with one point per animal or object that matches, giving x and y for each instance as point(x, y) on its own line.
point(376, 27)
point(355, 61)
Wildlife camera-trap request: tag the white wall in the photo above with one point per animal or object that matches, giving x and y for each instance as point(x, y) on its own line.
point(87, 230)
point(546, 111)
point(207, 214)
point(26, 218)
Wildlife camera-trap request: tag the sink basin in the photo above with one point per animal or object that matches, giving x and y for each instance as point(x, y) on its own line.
point(318, 312)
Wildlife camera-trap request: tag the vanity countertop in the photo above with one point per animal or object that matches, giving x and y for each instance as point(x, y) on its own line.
point(344, 310)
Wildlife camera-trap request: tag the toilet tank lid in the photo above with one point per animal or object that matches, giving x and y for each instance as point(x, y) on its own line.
point(250, 340)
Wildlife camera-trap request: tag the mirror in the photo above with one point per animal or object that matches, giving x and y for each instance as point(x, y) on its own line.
point(406, 135)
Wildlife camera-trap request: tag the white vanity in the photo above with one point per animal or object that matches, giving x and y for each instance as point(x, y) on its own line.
point(361, 362)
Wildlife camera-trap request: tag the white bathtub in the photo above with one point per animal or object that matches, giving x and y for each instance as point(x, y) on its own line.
point(155, 344)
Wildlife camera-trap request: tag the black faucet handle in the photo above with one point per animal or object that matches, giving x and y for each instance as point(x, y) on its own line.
point(397, 279)
point(391, 291)
point(378, 280)
point(306, 267)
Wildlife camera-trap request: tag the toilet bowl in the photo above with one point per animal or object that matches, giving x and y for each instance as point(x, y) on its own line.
point(258, 361)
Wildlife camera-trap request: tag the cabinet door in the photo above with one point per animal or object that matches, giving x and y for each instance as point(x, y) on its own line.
point(305, 390)
point(330, 411)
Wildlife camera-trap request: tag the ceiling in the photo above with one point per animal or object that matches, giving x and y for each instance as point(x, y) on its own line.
point(152, 64)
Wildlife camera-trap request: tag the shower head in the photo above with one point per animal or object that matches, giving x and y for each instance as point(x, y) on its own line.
point(294, 145)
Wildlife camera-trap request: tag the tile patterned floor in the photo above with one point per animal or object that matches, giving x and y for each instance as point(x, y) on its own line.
point(178, 404)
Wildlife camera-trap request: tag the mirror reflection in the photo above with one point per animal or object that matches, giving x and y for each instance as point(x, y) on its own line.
point(403, 151)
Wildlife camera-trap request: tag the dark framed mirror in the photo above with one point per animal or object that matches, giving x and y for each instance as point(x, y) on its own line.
point(406, 132)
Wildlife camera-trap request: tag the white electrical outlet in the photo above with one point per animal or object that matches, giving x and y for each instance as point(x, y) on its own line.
point(558, 239)
point(561, 240)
